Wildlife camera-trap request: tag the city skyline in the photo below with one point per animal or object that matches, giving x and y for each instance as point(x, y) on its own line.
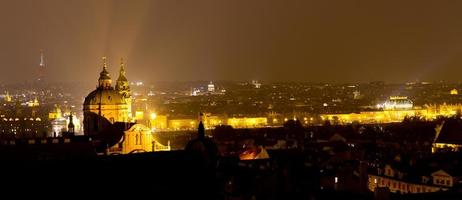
point(234, 40)
point(232, 99)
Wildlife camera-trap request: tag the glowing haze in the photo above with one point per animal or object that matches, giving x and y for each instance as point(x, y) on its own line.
point(180, 40)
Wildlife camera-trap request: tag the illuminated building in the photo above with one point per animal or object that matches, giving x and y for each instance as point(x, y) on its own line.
point(394, 110)
point(397, 103)
point(195, 92)
point(58, 126)
point(24, 126)
point(211, 121)
point(454, 92)
point(158, 122)
point(211, 87)
point(107, 112)
point(33, 103)
point(61, 124)
point(106, 101)
point(123, 86)
point(137, 138)
point(55, 114)
point(139, 115)
point(251, 122)
point(369, 117)
point(428, 112)
point(396, 181)
point(182, 124)
point(256, 84)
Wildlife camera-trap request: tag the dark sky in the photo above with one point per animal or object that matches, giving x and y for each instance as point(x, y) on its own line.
point(279, 40)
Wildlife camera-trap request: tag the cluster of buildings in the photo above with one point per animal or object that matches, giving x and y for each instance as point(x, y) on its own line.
point(396, 109)
point(399, 181)
point(163, 123)
point(211, 89)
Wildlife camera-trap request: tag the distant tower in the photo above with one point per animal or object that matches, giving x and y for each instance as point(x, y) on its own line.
point(123, 87)
point(122, 83)
point(204, 147)
point(201, 128)
point(211, 87)
point(71, 126)
point(41, 69)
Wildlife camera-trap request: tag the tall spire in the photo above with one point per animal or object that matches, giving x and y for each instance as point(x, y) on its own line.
point(122, 77)
point(41, 68)
point(41, 58)
point(71, 126)
point(104, 63)
point(201, 129)
point(122, 83)
point(122, 67)
point(104, 78)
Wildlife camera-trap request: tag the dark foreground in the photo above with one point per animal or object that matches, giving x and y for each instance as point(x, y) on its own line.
point(177, 175)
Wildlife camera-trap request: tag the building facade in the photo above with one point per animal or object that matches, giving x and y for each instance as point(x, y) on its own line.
point(398, 182)
point(113, 104)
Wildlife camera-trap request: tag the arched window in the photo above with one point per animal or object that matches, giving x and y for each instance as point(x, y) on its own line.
point(136, 141)
point(141, 138)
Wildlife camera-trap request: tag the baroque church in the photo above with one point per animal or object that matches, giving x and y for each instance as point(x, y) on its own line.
point(108, 116)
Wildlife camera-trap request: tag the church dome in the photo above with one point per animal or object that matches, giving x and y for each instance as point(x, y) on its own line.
point(104, 75)
point(104, 97)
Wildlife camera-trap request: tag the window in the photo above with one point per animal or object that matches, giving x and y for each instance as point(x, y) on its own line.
point(448, 182)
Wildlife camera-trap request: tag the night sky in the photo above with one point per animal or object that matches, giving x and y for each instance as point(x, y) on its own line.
point(181, 40)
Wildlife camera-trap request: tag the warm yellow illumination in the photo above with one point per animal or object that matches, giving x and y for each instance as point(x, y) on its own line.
point(139, 115)
point(429, 112)
point(153, 115)
point(248, 122)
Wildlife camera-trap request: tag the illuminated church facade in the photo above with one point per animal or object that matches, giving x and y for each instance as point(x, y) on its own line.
point(107, 112)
